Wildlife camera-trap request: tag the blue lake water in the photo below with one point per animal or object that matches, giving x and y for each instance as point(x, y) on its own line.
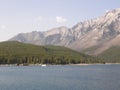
point(91, 77)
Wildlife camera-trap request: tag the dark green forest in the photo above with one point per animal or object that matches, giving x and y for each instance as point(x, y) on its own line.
point(13, 52)
point(112, 55)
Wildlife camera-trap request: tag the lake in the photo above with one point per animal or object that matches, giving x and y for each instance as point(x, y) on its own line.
point(90, 77)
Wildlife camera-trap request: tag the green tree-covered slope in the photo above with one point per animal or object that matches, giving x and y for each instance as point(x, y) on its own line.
point(12, 52)
point(111, 55)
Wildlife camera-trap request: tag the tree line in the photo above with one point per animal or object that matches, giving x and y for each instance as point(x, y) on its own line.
point(20, 53)
point(46, 60)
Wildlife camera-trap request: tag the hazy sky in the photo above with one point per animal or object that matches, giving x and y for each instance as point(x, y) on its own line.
point(18, 16)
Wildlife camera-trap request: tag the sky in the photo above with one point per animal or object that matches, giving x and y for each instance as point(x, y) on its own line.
point(21, 16)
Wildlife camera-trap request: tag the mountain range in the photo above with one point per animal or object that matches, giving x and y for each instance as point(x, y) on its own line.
point(92, 37)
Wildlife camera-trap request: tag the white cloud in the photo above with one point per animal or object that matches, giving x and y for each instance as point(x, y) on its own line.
point(46, 22)
point(107, 11)
point(3, 27)
point(60, 19)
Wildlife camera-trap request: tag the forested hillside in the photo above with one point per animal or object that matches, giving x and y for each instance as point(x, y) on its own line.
point(12, 52)
point(111, 55)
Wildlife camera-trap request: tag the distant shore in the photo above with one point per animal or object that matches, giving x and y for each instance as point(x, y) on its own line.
point(94, 64)
point(82, 64)
point(22, 64)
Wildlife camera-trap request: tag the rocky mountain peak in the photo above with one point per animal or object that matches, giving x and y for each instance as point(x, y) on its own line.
point(112, 14)
point(60, 30)
point(96, 32)
point(113, 11)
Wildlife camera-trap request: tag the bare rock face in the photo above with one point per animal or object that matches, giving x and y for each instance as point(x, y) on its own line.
point(102, 32)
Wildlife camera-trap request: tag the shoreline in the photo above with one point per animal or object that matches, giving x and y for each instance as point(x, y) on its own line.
point(95, 64)
point(83, 64)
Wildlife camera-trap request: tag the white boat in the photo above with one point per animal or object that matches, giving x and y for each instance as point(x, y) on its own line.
point(43, 65)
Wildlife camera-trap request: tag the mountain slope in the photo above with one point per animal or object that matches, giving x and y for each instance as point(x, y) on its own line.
point(102, 32)
point(16, 52)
